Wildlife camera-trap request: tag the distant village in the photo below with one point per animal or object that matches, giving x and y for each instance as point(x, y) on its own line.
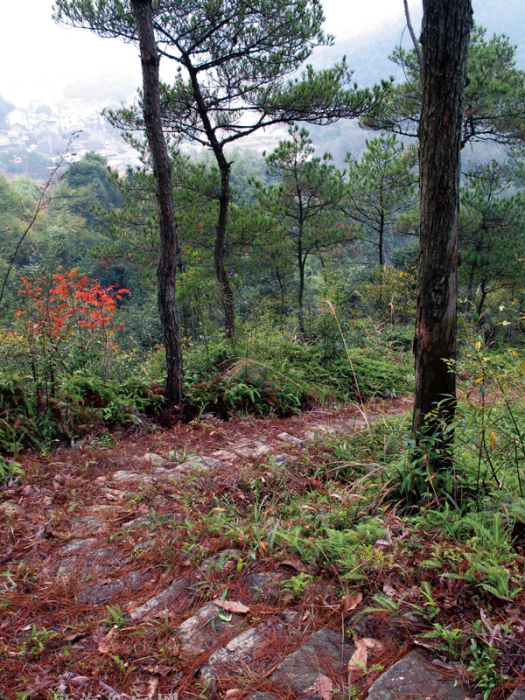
point(68, 128)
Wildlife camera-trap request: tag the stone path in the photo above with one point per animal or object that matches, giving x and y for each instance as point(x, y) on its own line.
point(223, 621)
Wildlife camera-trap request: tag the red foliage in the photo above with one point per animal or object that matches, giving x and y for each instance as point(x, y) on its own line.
point(71, 300)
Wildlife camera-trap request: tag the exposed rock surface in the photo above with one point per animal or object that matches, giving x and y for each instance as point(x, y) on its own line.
point(412, 678)
point(323, 653)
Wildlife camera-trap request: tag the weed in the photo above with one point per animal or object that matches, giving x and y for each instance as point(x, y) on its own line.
point(123, 666)
point(483, 667)
point(9, 469)
point(116, 617)
point(454, 640)
point(296, 585)
point(37, 641)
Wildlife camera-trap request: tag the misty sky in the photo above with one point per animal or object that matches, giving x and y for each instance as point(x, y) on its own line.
point(40, 59)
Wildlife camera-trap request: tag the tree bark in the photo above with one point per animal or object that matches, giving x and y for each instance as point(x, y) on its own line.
point(224, 204)
point(300, 295)
point(219, 251)
point(445, 40)
point(167, 268)
point(381, 239)
point(417, 47)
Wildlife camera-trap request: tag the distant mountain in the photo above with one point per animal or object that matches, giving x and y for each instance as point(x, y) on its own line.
point(368, 54)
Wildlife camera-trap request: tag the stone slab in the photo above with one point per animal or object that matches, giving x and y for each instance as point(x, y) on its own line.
point(324, 651)
point(264, 586)
point(200, 631)
point(85, 525)
point(89, 565)
point(240, 652)
point(159, 603)
point(123, 475)
point(281, 460)
point(154, 459)
point(291, 439)
point(411, 678)
point(76, 546)
point(518, 694)
point(107, 591)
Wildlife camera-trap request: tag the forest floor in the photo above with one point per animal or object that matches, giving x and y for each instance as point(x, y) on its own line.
point(147, 564)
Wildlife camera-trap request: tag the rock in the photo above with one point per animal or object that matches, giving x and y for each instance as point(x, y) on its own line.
point(155, 459)
point(85, 525)
point(257, 450)
point(76, 546)
point(194, 463)
point(324, 650)
point(123, 475)
point(211, 462)
point(107, 591)
point(410, 677)
point(240, 651)
point(286, 437)
point(281, 460)
point(161, 518)
point(101, 509)
point(161, 472)
point(264, 587)
point(200, 631)
point(10, 508)
point(86, 566)
point(159, 603)
point(136, 522)
point(291, 617)
point(142, 547)
point(518, 694)
point(223, 454)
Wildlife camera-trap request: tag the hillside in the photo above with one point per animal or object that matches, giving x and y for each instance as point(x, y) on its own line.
point(368, 56)
point(239, 560)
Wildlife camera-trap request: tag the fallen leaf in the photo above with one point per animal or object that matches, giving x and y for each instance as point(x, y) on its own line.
point(231, 606)
point(160, 669)
point(106, 644)
point(389, 591)
point(324, 687)
point(359, 657)
point(152, 687)
point(351, 601)
point(373, 644)
point(294, 564)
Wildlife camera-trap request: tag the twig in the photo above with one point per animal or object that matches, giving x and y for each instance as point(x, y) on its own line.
point(42, 203)
point(417, 46)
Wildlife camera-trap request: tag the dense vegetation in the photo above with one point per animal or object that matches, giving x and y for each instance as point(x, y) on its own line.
point(319, 262)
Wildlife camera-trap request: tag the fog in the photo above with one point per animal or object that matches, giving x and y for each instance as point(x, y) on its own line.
point(43, 61)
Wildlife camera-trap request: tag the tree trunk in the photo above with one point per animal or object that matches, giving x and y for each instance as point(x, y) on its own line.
point(167, 268)
point(301, 262)
point(300, 295)
point(281, 288)
point(220, 247)
point(445, 41)
point(381, 239)
point(224, 204)
point(481, 303)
